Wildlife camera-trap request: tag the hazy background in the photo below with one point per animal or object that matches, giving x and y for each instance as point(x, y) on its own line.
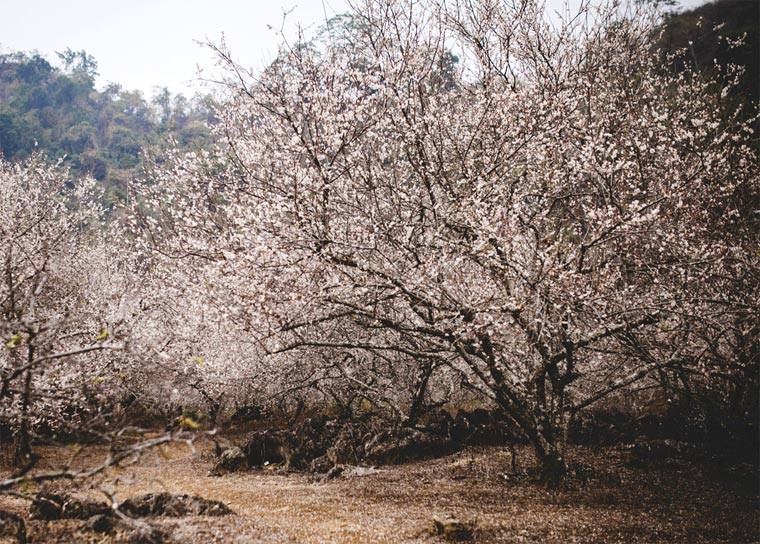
point(144, 44)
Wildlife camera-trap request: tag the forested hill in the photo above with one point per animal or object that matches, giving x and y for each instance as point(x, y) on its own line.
point(56, 109)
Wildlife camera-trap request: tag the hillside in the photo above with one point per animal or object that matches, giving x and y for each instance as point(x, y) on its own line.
point(58, 110)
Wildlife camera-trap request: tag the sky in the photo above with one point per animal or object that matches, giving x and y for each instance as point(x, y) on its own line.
point(143, 44)
point(147, 44)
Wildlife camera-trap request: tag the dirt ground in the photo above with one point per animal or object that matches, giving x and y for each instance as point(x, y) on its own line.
point(609, 501)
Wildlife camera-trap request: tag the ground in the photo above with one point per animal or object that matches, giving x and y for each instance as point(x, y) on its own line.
point(609, 501)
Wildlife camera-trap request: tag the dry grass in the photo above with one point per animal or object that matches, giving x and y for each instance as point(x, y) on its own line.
point(611, 502)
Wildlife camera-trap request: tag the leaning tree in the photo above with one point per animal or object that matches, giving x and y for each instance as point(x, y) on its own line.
point(535, 202)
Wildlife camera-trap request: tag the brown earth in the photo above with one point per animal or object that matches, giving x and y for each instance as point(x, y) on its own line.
point(609, 501)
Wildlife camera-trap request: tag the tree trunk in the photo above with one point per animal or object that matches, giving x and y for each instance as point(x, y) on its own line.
point(23, 453)
point(418, 395)
point(552, 467)
point(550, 452)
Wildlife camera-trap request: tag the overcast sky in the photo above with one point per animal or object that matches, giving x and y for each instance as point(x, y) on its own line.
point(143, 44)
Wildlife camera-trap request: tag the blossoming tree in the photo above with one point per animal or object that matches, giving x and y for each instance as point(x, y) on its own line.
point(537, 204)
point(61, 302)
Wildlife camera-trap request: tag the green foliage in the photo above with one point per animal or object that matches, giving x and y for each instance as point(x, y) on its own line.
point(59, 112)
point(15, 340)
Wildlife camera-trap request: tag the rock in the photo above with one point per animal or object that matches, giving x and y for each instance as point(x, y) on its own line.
point(267, 447)
point(231, 460)
point(311, 440)
point(170, 505)
point(351, 471)
point(655, 451)
point(247, 412)
point(321, 465)
point(334, 472)
point(221, 445)
point(101, 523)
point(392, 447)
point(480, 428)
point(347, 447)
point(438, 421)
point(608, 427)
point(320, 443)
point(451, 528)
point(84, 508)
point(50, 506)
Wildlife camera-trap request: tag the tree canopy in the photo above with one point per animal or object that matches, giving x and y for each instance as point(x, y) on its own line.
point(556, 219)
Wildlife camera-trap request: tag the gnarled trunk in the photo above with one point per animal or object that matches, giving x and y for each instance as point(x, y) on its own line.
point(546, 433)
point(552, 467)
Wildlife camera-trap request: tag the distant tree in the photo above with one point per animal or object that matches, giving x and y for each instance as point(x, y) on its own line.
point(79, 63)
point(15, 137)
